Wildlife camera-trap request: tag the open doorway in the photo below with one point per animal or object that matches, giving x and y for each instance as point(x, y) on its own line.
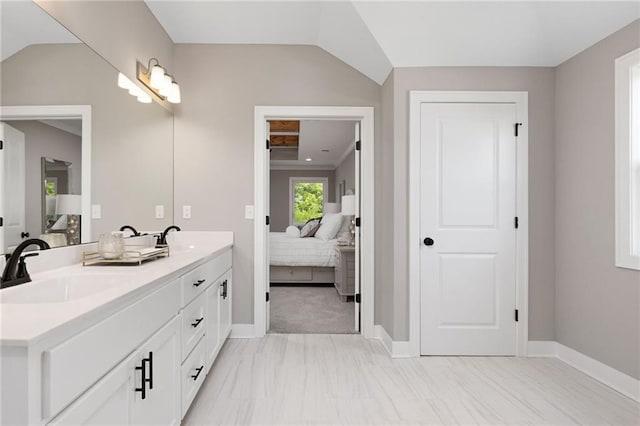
point(361, 299)
point(311, 246)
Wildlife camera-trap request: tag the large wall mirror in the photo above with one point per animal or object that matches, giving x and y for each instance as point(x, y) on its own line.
point(71, 111)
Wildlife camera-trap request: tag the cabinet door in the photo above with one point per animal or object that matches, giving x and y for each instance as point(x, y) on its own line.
point(160, 377)
point(108, 402)
point(212, 332)
point(225, 304)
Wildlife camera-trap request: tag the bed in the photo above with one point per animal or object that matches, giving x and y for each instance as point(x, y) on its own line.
point(301, 260)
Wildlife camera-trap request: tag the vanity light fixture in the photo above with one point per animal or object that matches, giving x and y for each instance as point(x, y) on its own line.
point(159, 81)
point(134, 90)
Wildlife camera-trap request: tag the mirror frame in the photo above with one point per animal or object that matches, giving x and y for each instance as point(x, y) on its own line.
point(44, 161)
point(47, 112)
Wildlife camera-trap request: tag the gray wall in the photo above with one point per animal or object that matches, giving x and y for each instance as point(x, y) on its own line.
point(214, 129)
point(384, 267)
point(279, 194)
point(132, 143)
point(597, 304)
point(539, 82)
point(346, 172)
point(42, 140)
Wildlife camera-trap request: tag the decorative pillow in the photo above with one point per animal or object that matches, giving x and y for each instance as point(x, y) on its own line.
point(309, 229)
point(329, 226)
point(293, 232)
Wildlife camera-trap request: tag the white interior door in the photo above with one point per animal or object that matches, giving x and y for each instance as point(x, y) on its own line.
point(467, 216)
point(13, 187)
point(357, 236)
point(267, 186)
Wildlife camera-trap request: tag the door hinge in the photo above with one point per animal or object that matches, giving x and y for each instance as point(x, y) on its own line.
point(357, 297)
point(1, 221)
point(517, 125)
point(1, 144)
point(516, 315)
point(357, 145)
point(515, 222)
point(267, 220)
point(358, 222)
point(268, 144)
point(267, 296)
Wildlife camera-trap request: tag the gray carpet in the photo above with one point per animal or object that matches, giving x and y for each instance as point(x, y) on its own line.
point(309, 309)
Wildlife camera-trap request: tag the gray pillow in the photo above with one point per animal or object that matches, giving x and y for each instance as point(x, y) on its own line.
point(309, 229)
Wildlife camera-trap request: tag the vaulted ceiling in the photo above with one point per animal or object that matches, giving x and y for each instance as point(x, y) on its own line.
point(376, 36)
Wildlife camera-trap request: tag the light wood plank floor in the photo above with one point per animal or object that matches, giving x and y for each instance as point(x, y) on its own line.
point(346, 379)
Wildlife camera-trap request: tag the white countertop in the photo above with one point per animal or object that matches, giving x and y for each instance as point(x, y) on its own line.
point(23, 324)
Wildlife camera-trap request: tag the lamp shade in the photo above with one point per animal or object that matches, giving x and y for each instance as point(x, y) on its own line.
point(331, 208)
point(174, 93)
point(69, 204)
point(124, 82)
point(348, 205)
point(157, 77)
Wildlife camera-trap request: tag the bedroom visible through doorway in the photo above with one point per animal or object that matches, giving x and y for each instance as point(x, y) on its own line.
point(312, 196)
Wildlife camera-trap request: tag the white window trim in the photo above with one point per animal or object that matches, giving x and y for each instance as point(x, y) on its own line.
point(625, 198)
point(294, 180)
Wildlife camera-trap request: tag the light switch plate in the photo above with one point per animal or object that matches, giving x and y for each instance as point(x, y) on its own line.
point(96, 211)
point(186, 212)
point(160, 211)
point(249, 212)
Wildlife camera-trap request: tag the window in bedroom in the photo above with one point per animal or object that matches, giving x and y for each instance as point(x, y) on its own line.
point(627, 160)
point(306, 198)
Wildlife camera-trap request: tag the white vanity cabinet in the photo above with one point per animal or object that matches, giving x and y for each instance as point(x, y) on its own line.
point(142, 390)
point(139, 360)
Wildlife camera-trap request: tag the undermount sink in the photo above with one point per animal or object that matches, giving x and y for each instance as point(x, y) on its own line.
point(60, 289)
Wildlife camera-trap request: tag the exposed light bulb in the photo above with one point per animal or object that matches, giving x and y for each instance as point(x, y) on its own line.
point(174, 94)
point(157, 77)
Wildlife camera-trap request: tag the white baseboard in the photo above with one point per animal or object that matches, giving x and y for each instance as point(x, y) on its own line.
point(609, 376)
point(242, 331)
point(395, 349)
point(542, 348)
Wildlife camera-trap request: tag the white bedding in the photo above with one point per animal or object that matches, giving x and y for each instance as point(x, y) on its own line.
point(291, 251)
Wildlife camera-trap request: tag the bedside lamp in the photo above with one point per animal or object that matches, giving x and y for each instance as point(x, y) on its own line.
point(71, 206)
point(349, 209)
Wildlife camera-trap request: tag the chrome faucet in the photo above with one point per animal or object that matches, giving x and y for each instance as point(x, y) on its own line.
point(15, 271)
point(131, 228)
point(162, 240)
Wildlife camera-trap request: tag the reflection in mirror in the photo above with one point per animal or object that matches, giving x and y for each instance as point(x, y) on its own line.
point(126, 169)
point(60, 210)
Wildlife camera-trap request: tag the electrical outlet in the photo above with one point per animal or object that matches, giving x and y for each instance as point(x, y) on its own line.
point(186, 212)
point(160, 212)
point(249, 212)
point(96, 211)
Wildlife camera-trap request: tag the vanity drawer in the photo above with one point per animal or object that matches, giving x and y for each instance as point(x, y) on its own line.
point(193, 324)
point(193, 373)
point(195, 282)
point(73, 366)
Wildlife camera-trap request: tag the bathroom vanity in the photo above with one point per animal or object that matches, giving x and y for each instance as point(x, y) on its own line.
point(116, 345)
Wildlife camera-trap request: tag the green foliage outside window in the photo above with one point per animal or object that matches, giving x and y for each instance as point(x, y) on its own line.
point(50, 188)
point(308, 200)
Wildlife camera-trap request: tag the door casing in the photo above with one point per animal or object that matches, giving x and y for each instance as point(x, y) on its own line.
point(520, 99)
point(366, 118)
